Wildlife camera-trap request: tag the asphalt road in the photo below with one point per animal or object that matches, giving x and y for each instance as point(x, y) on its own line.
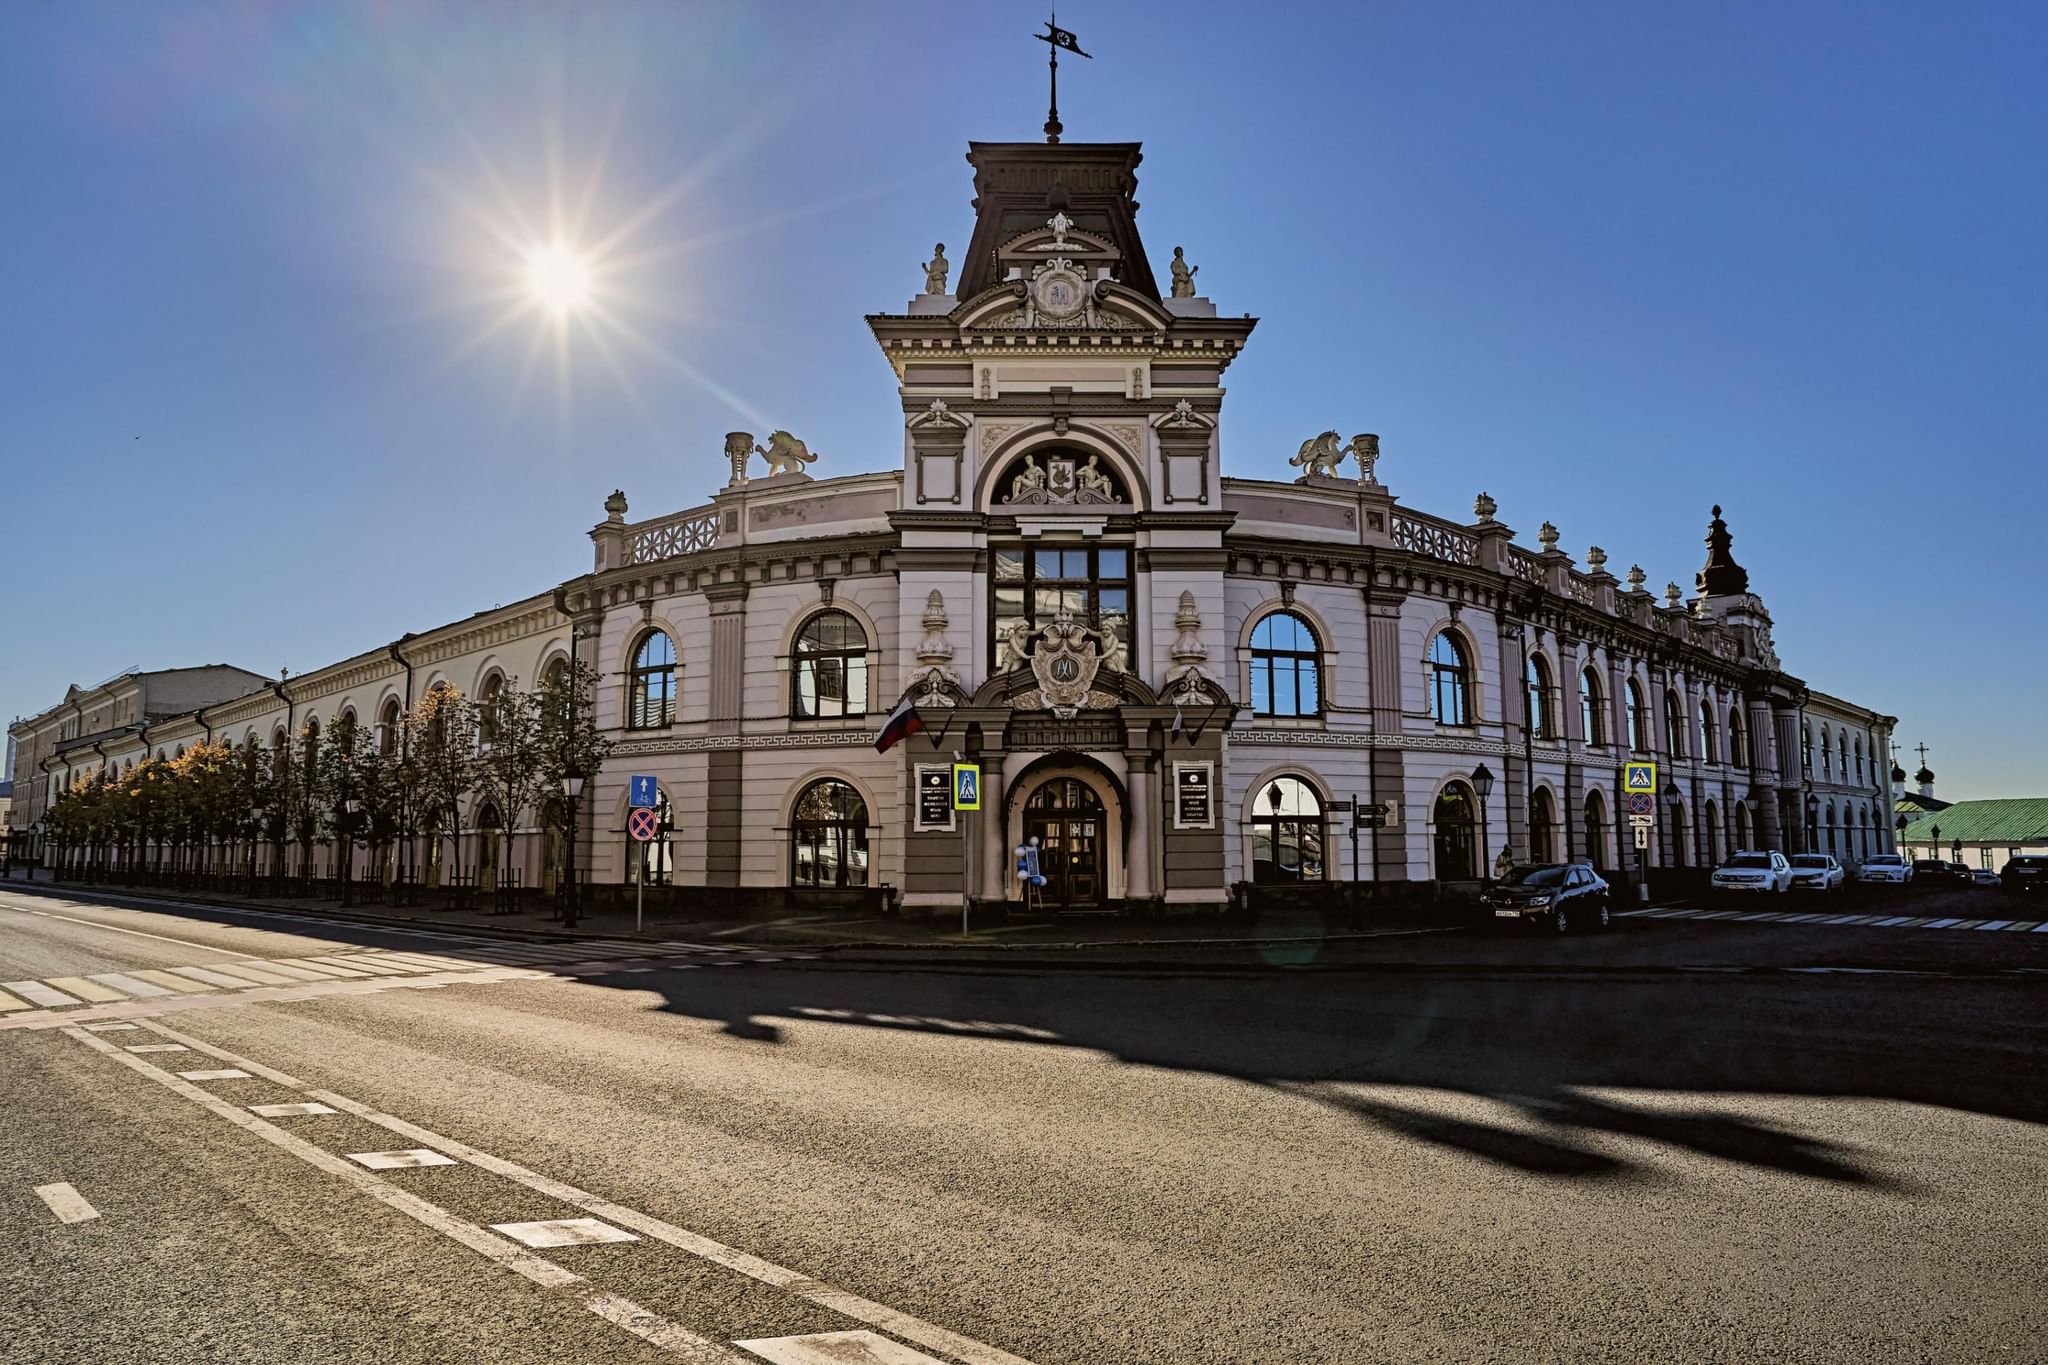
point(1679, 1141)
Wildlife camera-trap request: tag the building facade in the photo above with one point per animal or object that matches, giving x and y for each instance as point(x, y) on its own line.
point(1175, 681)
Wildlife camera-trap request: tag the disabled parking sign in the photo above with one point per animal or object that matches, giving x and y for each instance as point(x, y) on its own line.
point(1639, 777)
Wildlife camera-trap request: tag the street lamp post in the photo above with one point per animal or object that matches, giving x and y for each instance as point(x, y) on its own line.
point(1935, 849)
point(1812, 823)
point(572, 794)
point(1482, 785)
point(349, 808)
point(1899, 843)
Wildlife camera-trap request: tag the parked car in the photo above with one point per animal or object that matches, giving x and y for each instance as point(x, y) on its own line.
point(1754, 871)
point(1930, 870)
point(1885, 868)
point(2025, 874)
point(1817, 872)
point(1984, 876)
point(1960, 874)
point(1553, 896)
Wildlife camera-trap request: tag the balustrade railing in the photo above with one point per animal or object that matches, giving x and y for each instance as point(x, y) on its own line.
point(667, 537)
point(1437, 539)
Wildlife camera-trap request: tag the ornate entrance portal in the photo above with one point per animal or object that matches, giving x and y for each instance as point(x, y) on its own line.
point(1067, 817)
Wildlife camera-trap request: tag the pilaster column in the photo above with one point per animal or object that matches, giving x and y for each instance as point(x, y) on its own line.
point(1144, 812)
point(993, 877)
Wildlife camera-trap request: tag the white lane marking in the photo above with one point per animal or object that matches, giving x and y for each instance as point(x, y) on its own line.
point(142, 990)
point(964, 1349)
point(117, 929)
point(400, 1160)
point(157, 1047)
point(239, 974)
point(541, 1271)
point(68, 1204)
point(86, 990)
point(288, 1111)
point(564, 1232)
point(1888, 923)
point(837, 1348)
point(1942, 924)
point(214, 978)
point(38, 993)
point(223, 1074)
point(109, 1028)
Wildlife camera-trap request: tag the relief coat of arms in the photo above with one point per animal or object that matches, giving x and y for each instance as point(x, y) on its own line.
point(1065, 663)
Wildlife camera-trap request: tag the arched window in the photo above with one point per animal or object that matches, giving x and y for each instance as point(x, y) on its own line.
point(1738, 739)
point(1710, 825)
point(387, 728)
point(1710, 736)
point(1457, 841)
point(1827, 757)
point(651, 692)
point(1806, 747)
point(489, 703)
point(1592, 710)
point(828, 837)
point(1677, 834)
point(1674, 725)
point(829, 668)
point(1638, 719)
point(1450, 681)
point(1542, 700)
point(1859, 758)
point(1742, 839)
point(1287, 833)
point(1829, 826)
point(1287, 667)
point(1542, 827)
point(1596, 829)
point(554, 686)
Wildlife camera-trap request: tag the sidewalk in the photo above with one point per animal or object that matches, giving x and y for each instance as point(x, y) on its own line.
point(854, 935)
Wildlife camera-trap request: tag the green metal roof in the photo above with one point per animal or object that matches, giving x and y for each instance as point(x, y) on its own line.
point(2022, 820)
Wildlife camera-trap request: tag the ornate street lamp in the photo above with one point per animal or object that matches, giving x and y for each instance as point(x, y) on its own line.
point(1936, 850)
point(572, 794)
point(349, 810)
point(1812, 823)
point(1482, 785)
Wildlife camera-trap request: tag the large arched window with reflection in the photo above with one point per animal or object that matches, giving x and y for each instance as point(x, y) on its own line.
point(1450, 681)
point(1674, 724)
point(1286, 667)
point(828, 836)
point(1710, 731)
point(1596, 829)
point(1542, 827)
point(829, 668)
point(1542, 699)
point(1457, 833)
point(1287, 833)
point(1638, 719)
point(1592, 710)
point(651, 687)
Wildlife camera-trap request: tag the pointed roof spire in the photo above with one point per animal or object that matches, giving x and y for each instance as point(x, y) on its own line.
point(1722, 576)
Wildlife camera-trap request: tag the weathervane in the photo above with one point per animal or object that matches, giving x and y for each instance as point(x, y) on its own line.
point(1058, 38)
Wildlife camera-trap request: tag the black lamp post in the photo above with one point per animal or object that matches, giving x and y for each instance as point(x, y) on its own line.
point(349, 809)
point(1955, 850)
point(572, 794)
point(1900, 842)
point(1482, 784)
point(1935, 851)
point(1812, 823)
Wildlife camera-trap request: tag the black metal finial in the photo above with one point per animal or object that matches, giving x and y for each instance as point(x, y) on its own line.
point(1058, 38)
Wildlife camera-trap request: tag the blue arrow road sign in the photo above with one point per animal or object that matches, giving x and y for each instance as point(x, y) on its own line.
point(643, 792)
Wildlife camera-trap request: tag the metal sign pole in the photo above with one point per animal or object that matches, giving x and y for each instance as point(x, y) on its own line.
point(640, 892)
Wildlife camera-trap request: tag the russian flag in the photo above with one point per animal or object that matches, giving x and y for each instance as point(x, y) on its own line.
point(903, 722)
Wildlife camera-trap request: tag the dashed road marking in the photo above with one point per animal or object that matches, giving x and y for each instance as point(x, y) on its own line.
point(1872, 921)
point(400, 1160)
point(68, 1204)
point(288, 1111)
point(837, 1348)
point(222, 1074)
point(564, 1232)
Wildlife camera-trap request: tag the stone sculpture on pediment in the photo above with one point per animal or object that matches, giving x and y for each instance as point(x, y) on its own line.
point(1061, 483)
point(1319, 455)
point(1183, 276)
point(935, 270)
point(1065, 663)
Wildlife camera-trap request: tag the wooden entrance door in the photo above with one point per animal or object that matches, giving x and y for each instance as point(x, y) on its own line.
point(1067, 818)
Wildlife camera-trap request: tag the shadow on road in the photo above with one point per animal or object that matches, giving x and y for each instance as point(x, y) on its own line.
point(1532, 1049)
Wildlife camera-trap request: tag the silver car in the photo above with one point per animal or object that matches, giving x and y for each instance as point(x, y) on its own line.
point(1885, 867)
point(1817, 872)
point(1754, 871)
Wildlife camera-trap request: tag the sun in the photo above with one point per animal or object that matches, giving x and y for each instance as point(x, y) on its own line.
point(559, 278)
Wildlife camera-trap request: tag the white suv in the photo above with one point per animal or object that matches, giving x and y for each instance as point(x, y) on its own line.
point(1750, 871)
point(1885, 867)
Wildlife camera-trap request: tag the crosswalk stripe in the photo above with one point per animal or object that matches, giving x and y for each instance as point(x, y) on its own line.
point(86, 990)
point(242, 974)
point(180, 984)
point(359, 968)
point(2021, 926)
point(218, 978)
point(141, 990)
point(439, 964)
point(1994, 924)
point(2039, 928)
point(1895, 919)
point(8, 1002)
point(321, 971)
point(297, 973)
point(372, 965)
point(1943, 923)
point(331, 968)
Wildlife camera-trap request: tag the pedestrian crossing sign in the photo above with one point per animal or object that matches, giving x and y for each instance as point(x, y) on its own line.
point(1639, 777)
point(966, 786)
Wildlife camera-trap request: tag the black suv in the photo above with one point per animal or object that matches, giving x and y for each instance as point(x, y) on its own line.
point(2025, 874)
point(1553, 896)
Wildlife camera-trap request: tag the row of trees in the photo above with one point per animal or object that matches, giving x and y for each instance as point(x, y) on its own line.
point(215, 806)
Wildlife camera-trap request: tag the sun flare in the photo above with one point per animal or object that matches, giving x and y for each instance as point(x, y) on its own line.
point(559, 279)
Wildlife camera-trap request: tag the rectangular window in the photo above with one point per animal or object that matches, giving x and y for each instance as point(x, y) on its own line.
point(1032, 586)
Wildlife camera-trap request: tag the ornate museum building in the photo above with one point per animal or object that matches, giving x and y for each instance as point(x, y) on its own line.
point(1175, 680)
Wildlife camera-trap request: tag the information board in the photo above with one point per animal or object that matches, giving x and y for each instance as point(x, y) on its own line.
point(1194, 796)
point(934, 796)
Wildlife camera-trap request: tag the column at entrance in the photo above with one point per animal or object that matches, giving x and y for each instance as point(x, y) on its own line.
point(1143, 812)
point(993, 819)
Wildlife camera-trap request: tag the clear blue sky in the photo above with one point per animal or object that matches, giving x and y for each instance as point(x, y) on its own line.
point(1611, 263)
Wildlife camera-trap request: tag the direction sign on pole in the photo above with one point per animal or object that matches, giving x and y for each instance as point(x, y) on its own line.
point(1641, 821)
point(966, 786)
point(642, 793)
point(1642, 836)
point(1639, 777)
point(641, 824)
